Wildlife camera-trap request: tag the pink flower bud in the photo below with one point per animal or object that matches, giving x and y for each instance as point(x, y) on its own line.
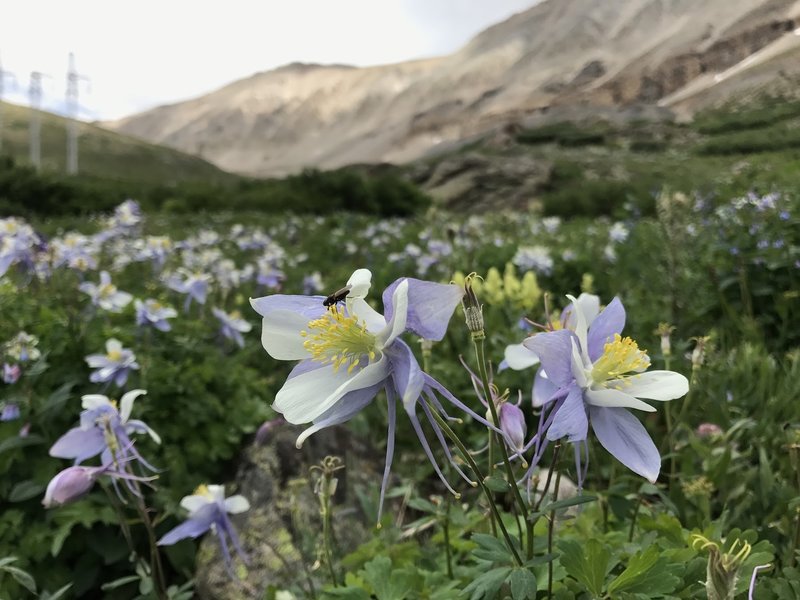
point(705, 430)
point(69, 485)
point(512, 422)
point(265, 431)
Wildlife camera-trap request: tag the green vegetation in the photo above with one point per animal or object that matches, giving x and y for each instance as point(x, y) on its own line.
point(103, 153)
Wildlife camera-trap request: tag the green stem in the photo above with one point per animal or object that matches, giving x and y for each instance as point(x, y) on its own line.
point(523, 508)
point(446, 531)
point(550, 528)
point(326, 532)
point(633, 519)
point(156, 568)
point(538, 503)
point(479, 479)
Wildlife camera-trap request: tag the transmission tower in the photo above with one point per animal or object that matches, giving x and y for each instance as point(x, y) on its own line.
point(35, 124)
point(73, 108)
point(3, 75)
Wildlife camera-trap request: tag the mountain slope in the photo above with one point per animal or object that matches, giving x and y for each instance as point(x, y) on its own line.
point(101, 152)
point(560, 53)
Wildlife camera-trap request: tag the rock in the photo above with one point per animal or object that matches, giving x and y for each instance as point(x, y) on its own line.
point(281, 531)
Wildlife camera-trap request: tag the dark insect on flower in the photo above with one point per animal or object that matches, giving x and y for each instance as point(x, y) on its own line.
point(336, 297)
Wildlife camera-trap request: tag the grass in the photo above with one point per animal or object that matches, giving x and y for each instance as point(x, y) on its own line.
point(103, 153)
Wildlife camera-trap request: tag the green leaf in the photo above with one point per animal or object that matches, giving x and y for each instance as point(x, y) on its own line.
point(646, 572)
point(588, 563)
point(490, 548)
point(59, 593)
point(25, 490)
point(20, 442)
point(348, 593)
point(523, 584)
point(386, 583)
point(486, 586)
point(496, 484)
point(23, 578)
point(112, 585)
point(567, 502)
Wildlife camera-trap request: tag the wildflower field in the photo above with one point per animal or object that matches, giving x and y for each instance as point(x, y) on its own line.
point(552, 408)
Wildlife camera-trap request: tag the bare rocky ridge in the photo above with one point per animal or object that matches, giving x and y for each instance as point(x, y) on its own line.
point(560, 54)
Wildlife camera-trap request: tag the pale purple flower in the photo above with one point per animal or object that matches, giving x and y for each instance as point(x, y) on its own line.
point(705, 430)
point(115, 365)
point(267, 427)
point(105, 294)
point(312, 284)
point(348, 354)
point(233, 325)
point(104, 430)
point(619, 232)
point(11, 373)
point(10, 412)
point(596, 376)
point(154, 314)
point(193, 284)
point(534, 258)
point(208, 510)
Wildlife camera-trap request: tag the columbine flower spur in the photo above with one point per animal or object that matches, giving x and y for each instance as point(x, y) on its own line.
point(349, 353)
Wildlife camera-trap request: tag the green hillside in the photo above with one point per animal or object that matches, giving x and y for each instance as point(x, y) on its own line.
point(103, 153)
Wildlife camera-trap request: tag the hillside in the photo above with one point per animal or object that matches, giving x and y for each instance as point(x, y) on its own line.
point(103, 153)
point(674, 56)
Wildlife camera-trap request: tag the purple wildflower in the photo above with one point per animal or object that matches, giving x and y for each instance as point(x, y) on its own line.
point(154, 314)
point(597, 376)
point(233, 325)
point(115, 365)
point(106, 295)
point(349, 354)
point(208, 509)
point(11, 373)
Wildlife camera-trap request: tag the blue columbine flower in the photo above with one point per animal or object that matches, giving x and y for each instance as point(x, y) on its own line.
point(105, 294)
point(194, 284)
point(104, 430)
point(153, 313)
point(597, 375)
point(115, 365)
point(74, 482)
point(233, 325)
point(208, 509)
point(348, 354)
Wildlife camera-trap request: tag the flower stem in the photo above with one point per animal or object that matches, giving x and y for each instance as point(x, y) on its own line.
point(550, 528)
point(523, 508)
point(633, 518)
point(446, 531)
point(478, 478)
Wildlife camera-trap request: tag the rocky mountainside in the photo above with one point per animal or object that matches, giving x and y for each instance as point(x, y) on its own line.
point(559, 55)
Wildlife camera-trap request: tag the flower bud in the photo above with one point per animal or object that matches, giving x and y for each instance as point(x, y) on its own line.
point(265, 431)
point(512, 422)
point(69, 485)
point(473, 312)
point(705, 430)
point(664, 330)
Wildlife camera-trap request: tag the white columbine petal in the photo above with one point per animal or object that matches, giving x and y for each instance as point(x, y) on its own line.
point(397, 325)
point(653, 385)
point(92, 401)
point(359, 308)
point(518, 357)
point(615, 399)
point(195, 502)
point(581, 327)
point(280, 334)
point(359, 283)
point(126, 403)
point(236, 504)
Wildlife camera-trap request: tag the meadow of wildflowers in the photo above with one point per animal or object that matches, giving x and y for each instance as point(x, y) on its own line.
point(650, 366)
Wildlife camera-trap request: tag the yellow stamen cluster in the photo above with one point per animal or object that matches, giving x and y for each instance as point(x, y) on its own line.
point(619, 357)
point(107, 290)
point(338, 339)
point(202, 490)
point(114, 355)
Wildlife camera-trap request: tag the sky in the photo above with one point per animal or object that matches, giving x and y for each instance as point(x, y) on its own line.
point(139, 54)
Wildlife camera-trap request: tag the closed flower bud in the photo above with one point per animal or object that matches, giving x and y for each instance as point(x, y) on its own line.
point(473, 312)
point(664, 330)
point(512, 422)
point(69, 485)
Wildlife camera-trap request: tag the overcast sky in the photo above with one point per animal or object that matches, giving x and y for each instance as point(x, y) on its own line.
point(141, 54)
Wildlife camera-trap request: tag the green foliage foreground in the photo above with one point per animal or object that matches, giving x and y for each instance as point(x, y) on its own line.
point(723, 273)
